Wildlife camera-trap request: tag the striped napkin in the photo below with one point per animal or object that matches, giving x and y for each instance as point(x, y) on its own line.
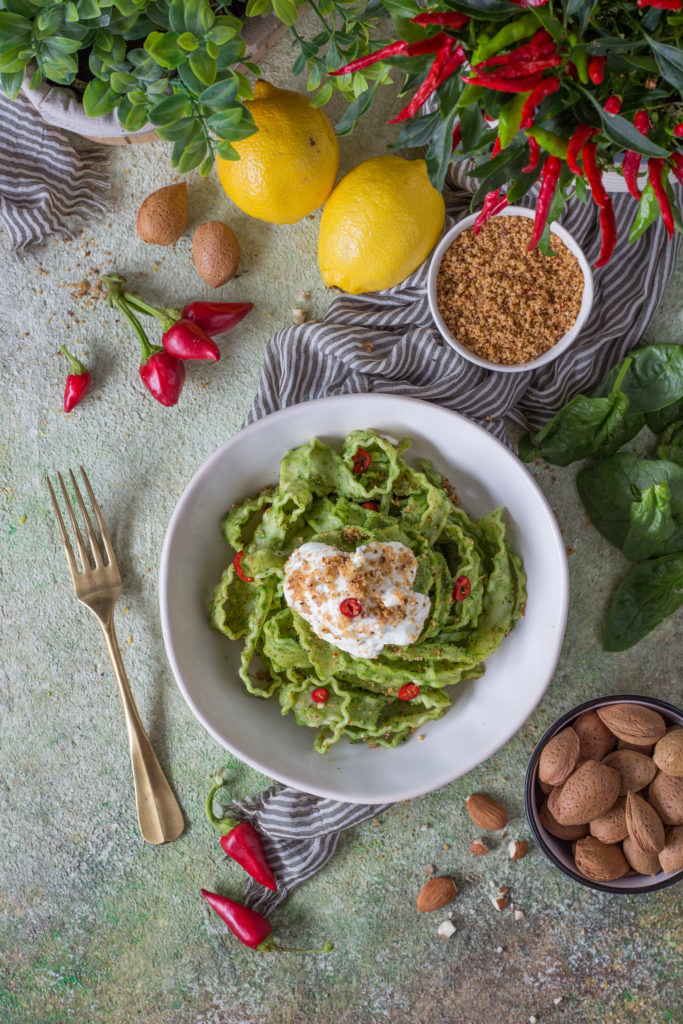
point(46, 186)
point(385, 342)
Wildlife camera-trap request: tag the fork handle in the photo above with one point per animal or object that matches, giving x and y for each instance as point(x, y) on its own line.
point(161, 819)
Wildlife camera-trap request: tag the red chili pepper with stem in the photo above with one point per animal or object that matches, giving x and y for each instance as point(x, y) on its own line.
point(445, 63)
point(596, 69)
point(540, 45)
point(529, 66)
point(676, 160)
point(655, 168)
point(545, 88)
point(241, 842)
point(457, 137)
point(450, 19)
point(186, 340)
point(523, 83)
point(216, 317)
point(608, 228)
point(631, 162)
point(576, 143)
point(534, 155)
point(494, 202)
point(550, 175)
point(78, 381)
point(250, 927)
point(397, 49)
point(594, 174)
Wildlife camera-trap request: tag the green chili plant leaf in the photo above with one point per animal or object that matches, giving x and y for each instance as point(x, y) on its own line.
point(650, 593)
point(651, 523)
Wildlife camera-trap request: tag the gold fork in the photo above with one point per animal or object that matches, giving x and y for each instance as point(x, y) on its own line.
point(98, 587)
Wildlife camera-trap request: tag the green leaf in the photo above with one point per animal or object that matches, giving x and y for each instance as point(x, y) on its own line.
point(653, 380)
point(164, 49)
point(48, 21)
point(131, 116)
point(324, 95)
point(99, 98)
point(650, 593)
point(622, 132)
point(11, 82)
point(651, 523)
point(170, 109)
point(122, 82)
point(227, 151)
point(88, 9)
point(355, 111)
point(178, 131)
point(198, 16)
point(219, 95)
point(190, 157)
point(187, 41)
point(70, 11)
point(670, 446)
point(285, 10)
point(438, 156)
point(256, 7)
point(418, 131)
point(203, 67)
point(670, 61)
point(221, 33)
point(14, 30)
point(207, 166)
point(660, 419)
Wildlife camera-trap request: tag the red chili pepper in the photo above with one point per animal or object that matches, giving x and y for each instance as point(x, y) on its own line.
point(594, 174)
point(521, 84)
point(538, 94)
point(576, 143)
point(596, 69)
point(527, 66)
point(320, 694)
point(370, 504)
point(678, 131)
point(641, 121)
point(453, 19)
point(457, 136)
point(241, 842)
point(409, 691)
point(655, 168)
point(534, 154)
point(216, 317)
point(397, 49)
point(186, 340)
point(608, 227)
point(350, 607)
point(540, 45)
point(361, 461)
point(631, 162)
point(251, 928)
point(664, 5)
point(239, 571)
point(677, 166)
point(528, 3)
point(445, 63)
point(461, 588)
point(163, 375)
point(78, 381)
point(494, 202)
point(613, 105)
point(550, 175)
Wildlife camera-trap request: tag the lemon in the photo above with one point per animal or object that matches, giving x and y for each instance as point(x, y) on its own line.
point(289, 167)
point(380, 223)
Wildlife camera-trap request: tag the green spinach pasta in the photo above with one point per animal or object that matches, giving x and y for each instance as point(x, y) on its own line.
point(360, 590)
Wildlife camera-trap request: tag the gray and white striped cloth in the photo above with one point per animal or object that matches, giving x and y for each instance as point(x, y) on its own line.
point(407, 356)
point(46, 186)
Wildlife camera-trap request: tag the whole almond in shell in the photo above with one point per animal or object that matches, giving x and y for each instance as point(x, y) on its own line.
point(436, 893)
point(666, 796)
point(668, 753)
point(636, 770)
point(671, 857)
point(588, 793)
point(162, 218)
point(595, 739)
point(216, 252)
point(598, 861)
point(643, 863)
point(644, 824)
point(549, 823)
point(611, 827)
point(558, 757)
point(633, 722)
point(486, 812)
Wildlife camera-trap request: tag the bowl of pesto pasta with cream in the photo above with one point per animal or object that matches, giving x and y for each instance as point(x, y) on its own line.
point(363, 596)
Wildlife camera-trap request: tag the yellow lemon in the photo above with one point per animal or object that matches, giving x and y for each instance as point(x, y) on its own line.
point(380, 223)
point(289, 167)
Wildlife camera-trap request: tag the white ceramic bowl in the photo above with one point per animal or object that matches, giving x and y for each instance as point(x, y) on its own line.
point(486, 712)
point(560, 346)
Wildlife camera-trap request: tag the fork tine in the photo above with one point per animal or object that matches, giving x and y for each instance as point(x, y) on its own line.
point(85, 561)
point(94, 545)
point(68, 550)
point(100, 521)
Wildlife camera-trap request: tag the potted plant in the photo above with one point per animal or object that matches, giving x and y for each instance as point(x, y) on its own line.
point(565, 92)
point(174, 65)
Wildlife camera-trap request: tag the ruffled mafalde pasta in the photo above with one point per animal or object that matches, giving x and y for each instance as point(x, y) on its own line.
point(366, 492)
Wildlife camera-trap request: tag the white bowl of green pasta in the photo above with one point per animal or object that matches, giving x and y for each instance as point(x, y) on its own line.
point(349, 703)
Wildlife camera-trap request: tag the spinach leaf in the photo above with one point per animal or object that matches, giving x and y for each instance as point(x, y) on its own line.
point(651, 523)
point(654, 379)
point(585, 426)
point(611, 486)
point(651, 592)
point(670, 445)
point(660, 419)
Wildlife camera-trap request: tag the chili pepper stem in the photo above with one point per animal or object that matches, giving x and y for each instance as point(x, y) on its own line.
point(77, 367)
point(224, 824)
point(269, 945)
point(166, 317)
point(115, 297)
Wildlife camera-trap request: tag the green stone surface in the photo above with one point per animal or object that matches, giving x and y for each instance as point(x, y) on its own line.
point(96, 927)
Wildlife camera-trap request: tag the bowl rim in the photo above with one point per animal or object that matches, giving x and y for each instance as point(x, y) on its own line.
point(561, 345)
point(530, 781)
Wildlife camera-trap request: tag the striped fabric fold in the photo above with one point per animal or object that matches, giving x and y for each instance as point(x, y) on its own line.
point(386, 342)
point(46, 186)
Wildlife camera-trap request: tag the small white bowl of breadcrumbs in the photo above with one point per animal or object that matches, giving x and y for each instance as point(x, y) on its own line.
point(501, 306)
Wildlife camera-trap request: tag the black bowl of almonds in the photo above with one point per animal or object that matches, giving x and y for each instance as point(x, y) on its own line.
point(604, 794)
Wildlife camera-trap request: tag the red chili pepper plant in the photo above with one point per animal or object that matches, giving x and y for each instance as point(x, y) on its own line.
point(529, 91)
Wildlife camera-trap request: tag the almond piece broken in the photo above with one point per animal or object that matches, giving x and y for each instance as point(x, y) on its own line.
point(486, 812)
point(558, 757)
point(666, 796)
point(478, 848)
point(644, 824)
point(436, 893)
point(588, 793)
point(517, 849)
point(643, 863)
point(598, 861)
point(499, 902)
point(637, 770)
point(611, 826)
point(671, 856)
point(633, 722)
point(668, 753)
point(595, 739)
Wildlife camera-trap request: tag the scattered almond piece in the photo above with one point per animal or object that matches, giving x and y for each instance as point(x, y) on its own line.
point(485, 811)
point(436, 893)
point(446, 929)
point(519, 915)
point(499, 902)
point(517, 849)
point(478, 847)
